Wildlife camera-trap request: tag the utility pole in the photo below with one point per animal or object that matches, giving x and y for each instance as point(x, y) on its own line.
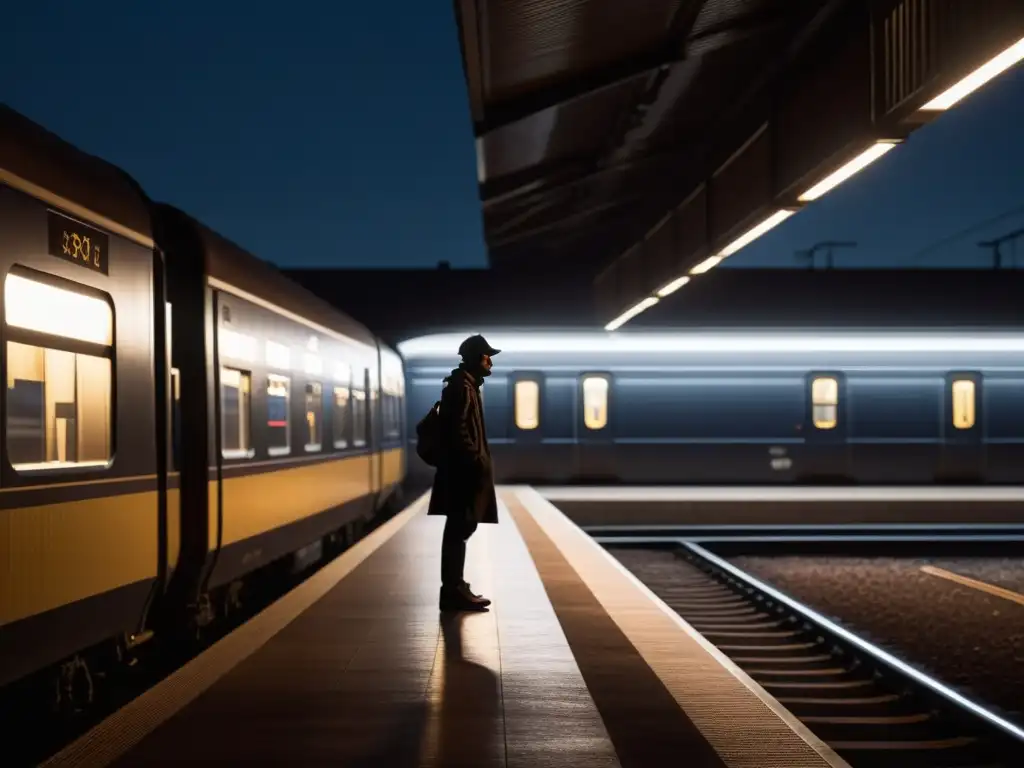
point(828, 247)
point(996, 246)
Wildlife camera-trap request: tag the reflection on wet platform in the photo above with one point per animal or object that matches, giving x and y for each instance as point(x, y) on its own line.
point(573, 665)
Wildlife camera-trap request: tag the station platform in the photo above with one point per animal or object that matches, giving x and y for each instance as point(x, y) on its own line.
point(576, 663)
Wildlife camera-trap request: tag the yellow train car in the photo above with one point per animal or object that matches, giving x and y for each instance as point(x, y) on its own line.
point(178, 416)
point(290, 413)
point(82, 471)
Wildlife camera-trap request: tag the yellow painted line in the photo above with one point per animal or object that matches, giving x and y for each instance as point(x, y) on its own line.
point(123, 730)
point(1006, 594)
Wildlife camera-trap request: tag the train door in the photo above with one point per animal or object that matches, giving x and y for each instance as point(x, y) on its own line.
point(525, 427)
point(370, 429)
point(826, 455)
point(172, 517)
point(595, 447)
point(379, 422)
point(963, 445)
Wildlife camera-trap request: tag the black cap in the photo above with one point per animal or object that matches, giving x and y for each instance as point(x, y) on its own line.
point(476, 347)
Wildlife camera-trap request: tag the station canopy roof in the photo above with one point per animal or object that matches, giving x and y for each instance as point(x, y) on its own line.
point(630, 140)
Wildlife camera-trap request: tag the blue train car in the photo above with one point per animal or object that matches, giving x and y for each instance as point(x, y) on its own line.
point(744, 407)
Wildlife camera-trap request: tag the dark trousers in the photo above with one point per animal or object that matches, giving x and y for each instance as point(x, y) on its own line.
point(453, 550)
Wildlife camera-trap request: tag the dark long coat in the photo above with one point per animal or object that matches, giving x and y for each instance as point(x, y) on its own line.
point(464, 481)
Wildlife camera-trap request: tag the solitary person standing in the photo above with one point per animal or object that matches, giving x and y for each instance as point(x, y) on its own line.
point(464, 482)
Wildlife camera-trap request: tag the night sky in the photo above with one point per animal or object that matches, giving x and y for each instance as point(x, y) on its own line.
point(336, 134)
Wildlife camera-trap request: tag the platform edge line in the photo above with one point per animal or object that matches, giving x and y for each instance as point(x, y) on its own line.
point(993, 590)
point(826, 753)
point(123, 730)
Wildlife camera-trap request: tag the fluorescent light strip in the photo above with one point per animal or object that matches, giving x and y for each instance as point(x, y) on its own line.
point(675, 285)
point(746, 239)
point(707, 265)
point(993, 68)
point(772, 221)
point(37, 306)
point(874, 650)
point(630, 313)
point(447, 344)
point(859, 163)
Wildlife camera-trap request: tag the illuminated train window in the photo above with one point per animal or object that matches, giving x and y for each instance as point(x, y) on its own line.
point(825, 402)
point(279, 438)
point(175, 419)
point(59, 390)
point(963, 403)
point(358, 418)
point(527, 404)
point(595, 402)
point(392, 410)
point(236, 414)
point(314, 415)
point(340, 417)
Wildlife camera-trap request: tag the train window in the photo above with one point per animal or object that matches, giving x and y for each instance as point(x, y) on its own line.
point(314, 415)
point(235, 414)
point(57, 312)
point(340, 417)
point(59, 396)
point(175, 419)
point(235, 346)
point(394, 428)
point(527, 404)
point(390, 404)
point(963, 403)
point(278, 356)
point(595, 402)
point(175, 394)
point(358, 418)
point(58, 408)
point(279, 437)
point(825, 402)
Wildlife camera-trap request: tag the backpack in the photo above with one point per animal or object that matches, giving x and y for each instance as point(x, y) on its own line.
point(428, 436)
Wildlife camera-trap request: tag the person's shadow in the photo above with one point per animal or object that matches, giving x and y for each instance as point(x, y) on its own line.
point(470, 722)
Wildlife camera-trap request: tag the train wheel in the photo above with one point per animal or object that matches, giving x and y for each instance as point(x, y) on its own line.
point(233, 609)
point(203, 616)
point(75, 691)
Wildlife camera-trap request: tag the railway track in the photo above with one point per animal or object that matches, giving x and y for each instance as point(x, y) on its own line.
point(868, 706)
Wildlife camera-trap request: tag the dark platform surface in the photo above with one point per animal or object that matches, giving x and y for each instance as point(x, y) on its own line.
point(574, 665)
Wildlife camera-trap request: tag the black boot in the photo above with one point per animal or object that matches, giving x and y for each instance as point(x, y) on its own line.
point(479, 598)
point(459, 599)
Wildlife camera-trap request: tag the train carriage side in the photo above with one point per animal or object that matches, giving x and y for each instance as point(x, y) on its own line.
point(81, 465)
point(393, 424)
point(891, 407)
point(279, 444)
